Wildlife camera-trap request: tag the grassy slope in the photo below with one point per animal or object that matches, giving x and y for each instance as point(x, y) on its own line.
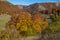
point(4, 18)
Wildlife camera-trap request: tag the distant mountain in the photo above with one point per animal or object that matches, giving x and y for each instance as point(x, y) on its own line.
point(21, 6)
point(41, 6)
point(6, 7)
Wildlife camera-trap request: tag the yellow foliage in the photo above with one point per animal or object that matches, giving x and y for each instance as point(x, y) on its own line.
point(37, 28)
point(18, 25)
point(23, 28)
point(27, 23)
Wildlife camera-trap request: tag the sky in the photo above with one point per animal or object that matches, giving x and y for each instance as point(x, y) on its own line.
point(28, 2)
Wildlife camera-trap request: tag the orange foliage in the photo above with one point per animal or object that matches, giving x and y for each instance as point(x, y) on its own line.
point(25, 21)
point(38, 22)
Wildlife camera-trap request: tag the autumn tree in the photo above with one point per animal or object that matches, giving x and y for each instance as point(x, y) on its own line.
point(24, 22)
point(28, 24)
point(38, 23)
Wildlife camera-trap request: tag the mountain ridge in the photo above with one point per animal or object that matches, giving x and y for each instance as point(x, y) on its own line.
point(41, 6)
point(7, 7)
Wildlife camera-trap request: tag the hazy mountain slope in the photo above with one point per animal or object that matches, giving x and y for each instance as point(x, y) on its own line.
point(6, 7)
point(42, 6)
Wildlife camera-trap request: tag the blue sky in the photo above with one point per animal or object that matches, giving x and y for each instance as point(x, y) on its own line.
point(28, 2)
